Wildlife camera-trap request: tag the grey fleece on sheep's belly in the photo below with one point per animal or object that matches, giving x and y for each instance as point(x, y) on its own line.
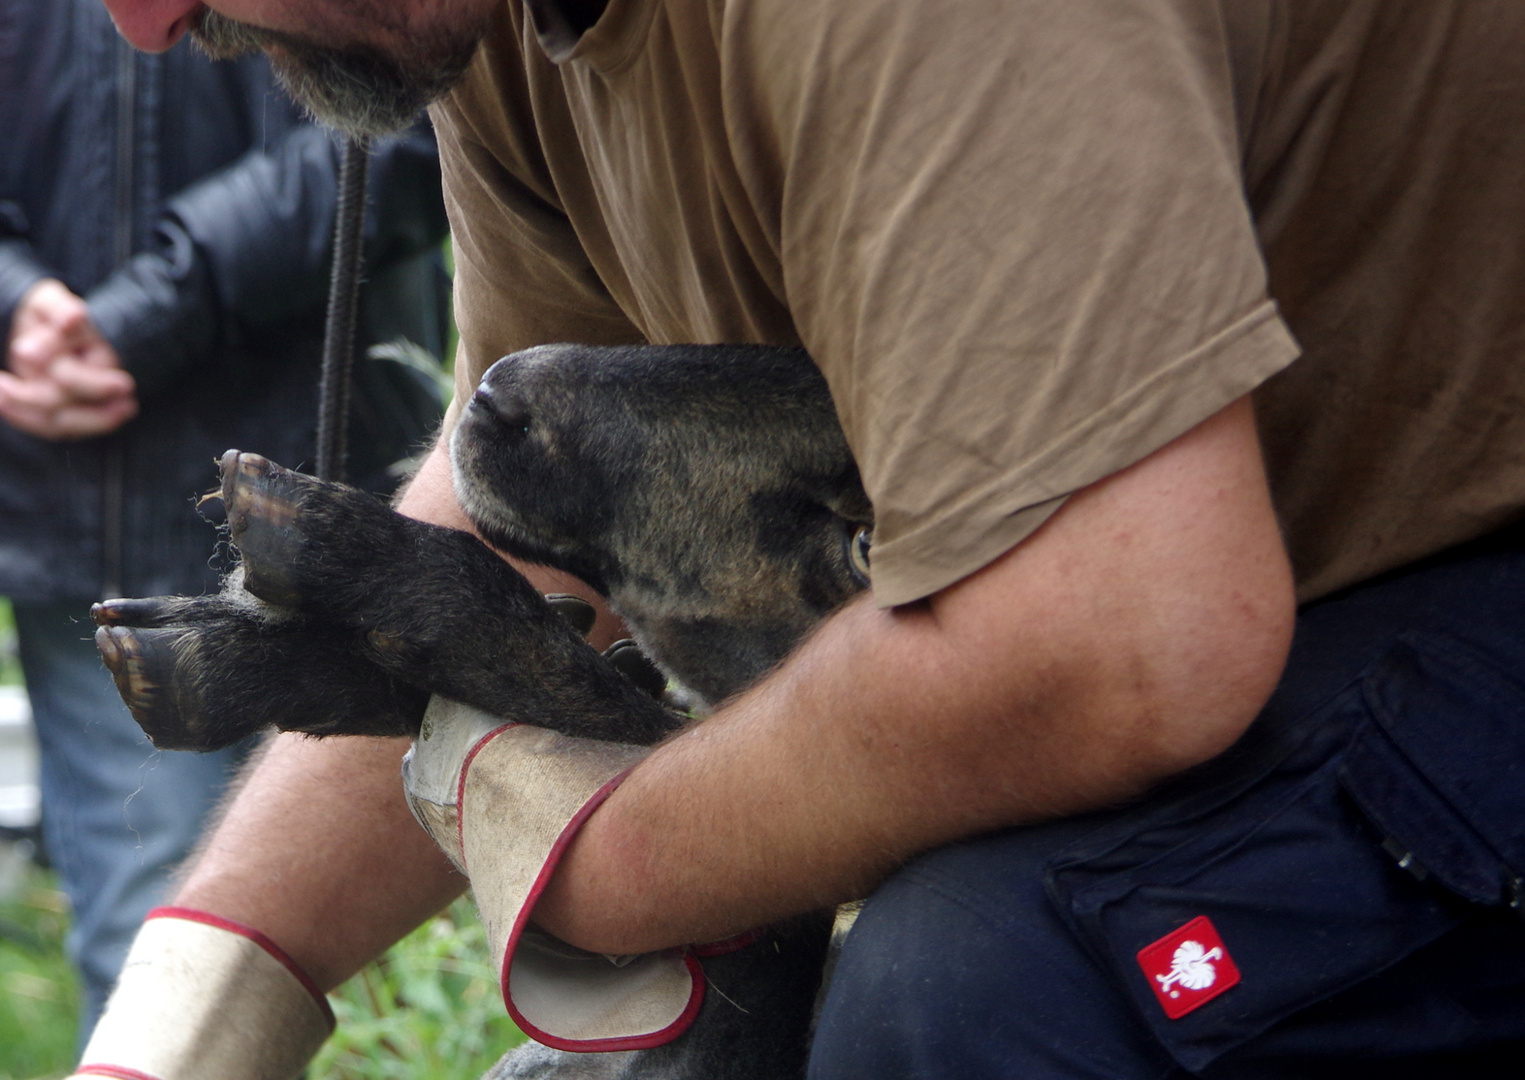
point(707, 491)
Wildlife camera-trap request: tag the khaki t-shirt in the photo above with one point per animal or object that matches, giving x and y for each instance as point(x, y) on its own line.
point(1028, 241)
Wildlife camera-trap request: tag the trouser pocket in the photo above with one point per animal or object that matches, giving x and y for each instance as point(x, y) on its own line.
point(1441, 770)
point(1229, 918)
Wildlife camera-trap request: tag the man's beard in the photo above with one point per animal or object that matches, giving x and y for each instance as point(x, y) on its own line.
point(358, 89)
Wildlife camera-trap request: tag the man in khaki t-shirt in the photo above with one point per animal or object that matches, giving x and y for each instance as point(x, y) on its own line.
point(1056, 259)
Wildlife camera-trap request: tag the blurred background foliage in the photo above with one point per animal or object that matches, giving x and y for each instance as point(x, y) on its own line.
point(428, 1010)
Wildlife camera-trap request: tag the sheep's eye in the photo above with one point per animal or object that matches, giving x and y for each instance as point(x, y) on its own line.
point(858, 545)
point(517, 427)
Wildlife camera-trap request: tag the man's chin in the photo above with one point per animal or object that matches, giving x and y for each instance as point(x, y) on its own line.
point(361, 90)
point(372, 105)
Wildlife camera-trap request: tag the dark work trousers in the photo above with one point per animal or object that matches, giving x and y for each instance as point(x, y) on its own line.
point(1332, 898)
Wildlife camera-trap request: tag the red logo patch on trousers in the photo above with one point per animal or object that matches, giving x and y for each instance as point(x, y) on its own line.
point(1188, 967)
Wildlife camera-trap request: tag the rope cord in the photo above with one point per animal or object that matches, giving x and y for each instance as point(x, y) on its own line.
point(343, 299)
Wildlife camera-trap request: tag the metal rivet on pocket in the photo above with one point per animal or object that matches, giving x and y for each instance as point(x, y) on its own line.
point(1405, 859)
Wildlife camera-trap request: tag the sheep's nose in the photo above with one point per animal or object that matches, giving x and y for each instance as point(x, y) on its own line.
point(509, 409)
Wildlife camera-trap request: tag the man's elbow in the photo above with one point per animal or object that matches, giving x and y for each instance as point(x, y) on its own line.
point(1211, 679)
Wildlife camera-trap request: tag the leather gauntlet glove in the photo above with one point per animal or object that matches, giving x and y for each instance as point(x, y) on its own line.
point(201, 997)
point(504, 801)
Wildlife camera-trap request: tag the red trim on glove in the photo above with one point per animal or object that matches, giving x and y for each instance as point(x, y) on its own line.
point(589, 1046)
point(116, 1071)
point(208, 919)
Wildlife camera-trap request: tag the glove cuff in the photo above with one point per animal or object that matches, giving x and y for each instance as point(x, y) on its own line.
point(204, 996)
point(435, 766)
point(524, 794)
point(505, 801)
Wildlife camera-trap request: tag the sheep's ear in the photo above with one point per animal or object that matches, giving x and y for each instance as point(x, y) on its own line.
point(575, 610)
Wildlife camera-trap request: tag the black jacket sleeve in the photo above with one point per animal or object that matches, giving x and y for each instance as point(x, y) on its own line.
point(248, 248)
point(20, 268)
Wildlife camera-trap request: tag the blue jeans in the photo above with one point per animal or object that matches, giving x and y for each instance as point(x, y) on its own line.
point(1357, 854)
point(117, 815)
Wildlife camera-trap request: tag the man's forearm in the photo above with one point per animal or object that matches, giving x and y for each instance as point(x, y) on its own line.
point(1136, 634)
point(319, 852)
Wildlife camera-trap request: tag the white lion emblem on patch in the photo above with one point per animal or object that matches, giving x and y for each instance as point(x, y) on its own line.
point(1191, 967)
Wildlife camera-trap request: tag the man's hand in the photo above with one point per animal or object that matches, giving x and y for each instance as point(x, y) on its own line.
point(64, 380)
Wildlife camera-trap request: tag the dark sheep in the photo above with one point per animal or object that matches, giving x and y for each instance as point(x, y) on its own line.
point(707, 491)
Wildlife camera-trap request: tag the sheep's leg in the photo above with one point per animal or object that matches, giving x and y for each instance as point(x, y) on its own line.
point(379, 611)
point(433, 606)
point(200, 673)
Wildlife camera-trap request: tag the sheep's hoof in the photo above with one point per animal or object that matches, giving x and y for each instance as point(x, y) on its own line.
point(144, 612)
point(579, 614)
point(155, 648)
point(262, 501)
point(144, 663)
point(628, 659)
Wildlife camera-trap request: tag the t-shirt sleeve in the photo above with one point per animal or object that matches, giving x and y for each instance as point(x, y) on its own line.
point(521, 276)
point(1014, 237)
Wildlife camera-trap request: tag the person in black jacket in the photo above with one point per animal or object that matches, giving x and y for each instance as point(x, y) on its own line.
point(165, 226)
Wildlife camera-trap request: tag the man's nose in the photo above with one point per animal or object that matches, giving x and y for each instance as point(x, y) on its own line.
point(153, 25)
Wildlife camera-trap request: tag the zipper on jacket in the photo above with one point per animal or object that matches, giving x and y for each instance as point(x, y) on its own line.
point(114, 479)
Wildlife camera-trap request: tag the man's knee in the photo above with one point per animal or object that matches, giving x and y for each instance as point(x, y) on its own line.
point(959, 966)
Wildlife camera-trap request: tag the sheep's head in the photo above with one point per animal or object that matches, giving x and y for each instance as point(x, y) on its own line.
point(707, 490)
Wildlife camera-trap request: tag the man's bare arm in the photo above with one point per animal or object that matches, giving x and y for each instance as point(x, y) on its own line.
point(1136, 634)
point(318, 849)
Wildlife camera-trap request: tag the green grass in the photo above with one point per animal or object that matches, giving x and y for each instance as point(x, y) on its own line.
point(10, 663)
point(429, 1010)
point(37, 990)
